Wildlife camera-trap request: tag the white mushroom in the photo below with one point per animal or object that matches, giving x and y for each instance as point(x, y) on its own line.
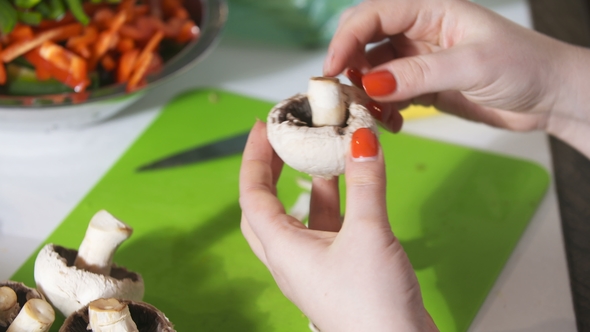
point(312, 132)
point(13, 296)
point(71, 279)
point(116, 315)
point(36, 315)
point(110, 315)
point(9, 306)
point(104, 235)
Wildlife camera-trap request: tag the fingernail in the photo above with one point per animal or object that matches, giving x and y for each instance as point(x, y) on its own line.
point(376, 110)
point(364, 145)
point(355, 76)
point(395, 122)
point(379, 83)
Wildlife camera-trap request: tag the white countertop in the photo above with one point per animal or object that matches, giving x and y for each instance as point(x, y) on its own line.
point(43, 175)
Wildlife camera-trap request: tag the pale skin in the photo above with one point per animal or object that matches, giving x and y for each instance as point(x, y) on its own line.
point(468, 61)
point(453, 54)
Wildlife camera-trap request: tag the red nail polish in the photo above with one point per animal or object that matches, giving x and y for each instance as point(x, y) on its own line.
point(376, 110)
point(355, 76)
point(395, 121)
point(379, 83)
point(364, 145)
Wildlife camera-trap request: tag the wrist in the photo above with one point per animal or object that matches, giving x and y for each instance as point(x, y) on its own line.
point(569, 116)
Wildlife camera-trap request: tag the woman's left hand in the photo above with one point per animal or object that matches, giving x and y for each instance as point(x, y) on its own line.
point(345, 276)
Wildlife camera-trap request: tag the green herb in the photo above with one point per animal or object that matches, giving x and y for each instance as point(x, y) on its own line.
point(23, 82)
point(30, 17)
point(26, 4)
point(78, 11)
point(44, 9)
point(8, 17)
point(58, 10)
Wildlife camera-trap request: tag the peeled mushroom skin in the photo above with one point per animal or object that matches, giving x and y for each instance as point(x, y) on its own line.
point(147, 318)
point(317, 151)
point(68, 288)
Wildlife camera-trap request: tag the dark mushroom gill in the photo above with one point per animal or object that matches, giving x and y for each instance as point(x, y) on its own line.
point(298, 113)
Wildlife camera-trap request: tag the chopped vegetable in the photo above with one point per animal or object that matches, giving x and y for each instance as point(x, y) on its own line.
point(8, 17)
point(78, 12)
point(66, 42)
point(56, 34)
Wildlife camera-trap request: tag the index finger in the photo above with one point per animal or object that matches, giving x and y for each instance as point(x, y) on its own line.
point(369, 22)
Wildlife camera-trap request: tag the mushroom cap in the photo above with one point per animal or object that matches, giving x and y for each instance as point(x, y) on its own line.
point(317, 151)
point(23, 294)
point(147, 318)
point(68, 288)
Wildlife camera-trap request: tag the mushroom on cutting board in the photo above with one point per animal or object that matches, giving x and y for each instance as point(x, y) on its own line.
point(36, 315)
point(312, 132)
point(9, 306)
point(23, 308)
point(111, 314)
point(70, 279)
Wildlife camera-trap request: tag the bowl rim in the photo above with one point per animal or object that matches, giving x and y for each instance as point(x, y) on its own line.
point(214, 17)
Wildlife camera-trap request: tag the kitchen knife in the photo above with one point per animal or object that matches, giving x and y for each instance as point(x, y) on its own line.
point(225, 147)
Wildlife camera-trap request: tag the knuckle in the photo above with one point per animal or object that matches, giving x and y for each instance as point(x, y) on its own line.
point(413, 72)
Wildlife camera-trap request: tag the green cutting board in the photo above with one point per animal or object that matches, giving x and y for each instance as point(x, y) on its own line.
point(458, 212)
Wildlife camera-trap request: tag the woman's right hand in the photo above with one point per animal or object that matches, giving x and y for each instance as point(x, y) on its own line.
point(466, 60)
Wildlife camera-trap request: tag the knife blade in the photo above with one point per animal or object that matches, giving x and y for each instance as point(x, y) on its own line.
point(221, 148)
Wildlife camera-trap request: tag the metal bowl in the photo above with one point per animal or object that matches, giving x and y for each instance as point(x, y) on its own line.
point(74, 110)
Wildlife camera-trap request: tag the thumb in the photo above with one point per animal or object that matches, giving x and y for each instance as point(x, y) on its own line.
point(408, 77)
point(365, 183)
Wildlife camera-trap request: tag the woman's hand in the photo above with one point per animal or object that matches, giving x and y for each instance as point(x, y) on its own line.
point(465, 60)
point(345, 276)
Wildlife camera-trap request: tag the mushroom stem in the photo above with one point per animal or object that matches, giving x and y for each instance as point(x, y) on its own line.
point(110, 315)
point(36, 315)
point(104, 235)
point(8, 305)
point(326, 101)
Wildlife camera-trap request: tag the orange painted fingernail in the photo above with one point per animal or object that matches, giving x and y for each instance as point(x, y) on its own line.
point(395, 122)
point(364, 145)
point(379, 83)
point(355, 76)
point(376, 110)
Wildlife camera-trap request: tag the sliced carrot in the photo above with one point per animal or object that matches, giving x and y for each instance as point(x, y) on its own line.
point(62, 64)
point(42, 73)
point(117, 22)
point(173, 27)
point(81, 50)
point(131, 31)
point(107, 39)
point(169, 7)
point(151, 46)
point(139, 71)
point(125, 44)
point(52, 24)
point(127, 7)
point(188, 32)
point(103, 17)
point(149, 24)
point(21, 32)
point(89, 36)
point(181, 13)
point(108, 63)
point(57, 34)
point(91, 8)
point(141, 10)
point(126, 65)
